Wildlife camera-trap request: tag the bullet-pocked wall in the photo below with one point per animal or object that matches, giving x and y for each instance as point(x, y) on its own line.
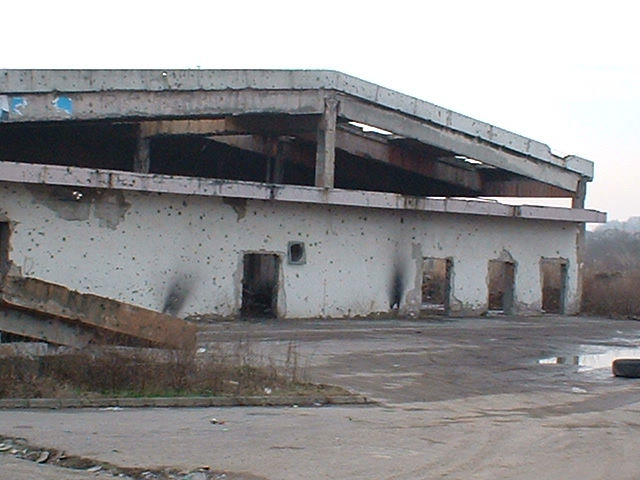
point(184, 254)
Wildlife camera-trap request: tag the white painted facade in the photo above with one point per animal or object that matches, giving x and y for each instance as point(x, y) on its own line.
point(133, 245)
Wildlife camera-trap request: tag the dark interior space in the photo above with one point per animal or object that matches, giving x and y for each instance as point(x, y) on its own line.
point(501, 285)
point(554, 274)
point(436, 284)
point(77, 144)
point(197, 156)
point(260, 285)
point(113, 146)
point(358, 173)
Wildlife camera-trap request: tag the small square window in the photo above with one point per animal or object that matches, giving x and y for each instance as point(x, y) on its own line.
point(296, 254)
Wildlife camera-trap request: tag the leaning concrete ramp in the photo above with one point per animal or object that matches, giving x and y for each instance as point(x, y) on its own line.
point(54, 313)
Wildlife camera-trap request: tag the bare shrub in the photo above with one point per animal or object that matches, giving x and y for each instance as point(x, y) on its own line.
point(615, 293)
point(612, 273)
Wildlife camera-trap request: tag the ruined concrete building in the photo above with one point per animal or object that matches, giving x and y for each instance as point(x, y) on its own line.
point(278, 193)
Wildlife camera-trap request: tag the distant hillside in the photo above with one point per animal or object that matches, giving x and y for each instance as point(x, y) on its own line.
point(632, 225)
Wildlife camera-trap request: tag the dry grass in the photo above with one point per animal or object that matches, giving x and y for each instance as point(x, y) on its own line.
point(137, 372)
point(612, 274)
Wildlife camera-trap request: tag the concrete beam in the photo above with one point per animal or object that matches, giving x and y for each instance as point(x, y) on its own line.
point(454, 141)
point(96, 178)
point(326, 145)
point(95, 312)
point(239, 125)
point(47, 329)
point(407, 159)
point(127, 105)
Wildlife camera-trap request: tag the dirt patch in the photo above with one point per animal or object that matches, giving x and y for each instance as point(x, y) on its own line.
point(20, 448)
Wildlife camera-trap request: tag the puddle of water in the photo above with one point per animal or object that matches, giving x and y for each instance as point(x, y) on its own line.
point(592, 361)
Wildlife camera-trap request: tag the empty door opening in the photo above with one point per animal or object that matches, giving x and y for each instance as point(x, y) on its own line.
point(554, 278)
point(501, 285)
point(4, 248)
point(436, 284)
point(260, 285)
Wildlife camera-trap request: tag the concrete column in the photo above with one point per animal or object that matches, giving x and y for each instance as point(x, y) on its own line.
point(326, 151)
point(141, 160)
point(578, 201)
point(275, 159)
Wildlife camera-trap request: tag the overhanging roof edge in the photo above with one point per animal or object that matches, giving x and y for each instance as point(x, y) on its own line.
point(14, 82)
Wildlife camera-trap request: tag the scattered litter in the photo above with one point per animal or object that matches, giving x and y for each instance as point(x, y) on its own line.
point(267, 390)
point(578, 390)
point(215, 421)
point(201, 350)
point(295, 405)
point(44, 456)
point(317, 404)
point(94, 469)
point(4, 447)
point(233, 382)
point(111, 409)
point(204, 467)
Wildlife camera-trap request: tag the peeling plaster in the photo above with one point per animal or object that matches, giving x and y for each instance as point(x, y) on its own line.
point(110, 207)
point(65, 202)
point(239, 206)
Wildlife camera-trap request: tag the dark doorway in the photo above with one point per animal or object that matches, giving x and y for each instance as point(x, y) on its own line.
point(436, 284)
point(501, 285)
point(4, 248)
point(260, 285)
point(554, 278)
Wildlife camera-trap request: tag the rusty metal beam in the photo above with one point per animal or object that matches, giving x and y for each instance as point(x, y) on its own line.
point(522, 188)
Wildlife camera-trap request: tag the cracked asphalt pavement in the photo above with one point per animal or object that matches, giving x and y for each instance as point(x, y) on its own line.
point(499, 397)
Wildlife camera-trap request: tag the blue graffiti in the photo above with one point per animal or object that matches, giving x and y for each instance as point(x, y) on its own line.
point(64, 103)
point(18, 103)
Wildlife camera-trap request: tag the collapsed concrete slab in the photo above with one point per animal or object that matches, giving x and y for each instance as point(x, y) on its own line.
point(53, 313)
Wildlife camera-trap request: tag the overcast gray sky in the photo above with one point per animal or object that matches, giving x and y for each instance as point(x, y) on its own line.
point(566, 73)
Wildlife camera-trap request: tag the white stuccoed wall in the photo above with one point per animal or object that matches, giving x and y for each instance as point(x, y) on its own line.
point(133, 246)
